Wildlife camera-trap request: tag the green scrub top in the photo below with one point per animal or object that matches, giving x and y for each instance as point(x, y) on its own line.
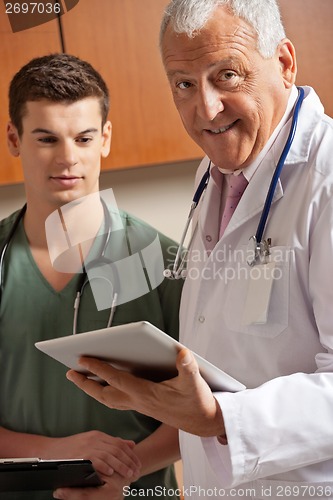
point(35, 396)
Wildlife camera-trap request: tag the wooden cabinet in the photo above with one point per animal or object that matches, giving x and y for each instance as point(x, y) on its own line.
point(120, 38)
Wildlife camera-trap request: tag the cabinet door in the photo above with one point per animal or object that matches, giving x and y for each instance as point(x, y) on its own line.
point(308, 24)
point(120, 38)
point(16, 49)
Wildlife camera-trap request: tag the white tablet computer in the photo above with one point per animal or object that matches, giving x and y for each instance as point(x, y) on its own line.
point(139, 347)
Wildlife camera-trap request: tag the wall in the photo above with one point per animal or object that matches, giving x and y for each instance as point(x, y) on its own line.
point(308, 24)
point(160, 195)
point(146, 127)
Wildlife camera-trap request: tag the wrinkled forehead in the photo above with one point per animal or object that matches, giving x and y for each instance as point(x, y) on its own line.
point(222, 31)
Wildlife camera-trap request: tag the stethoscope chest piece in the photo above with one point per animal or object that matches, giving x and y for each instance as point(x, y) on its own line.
point(258, 251)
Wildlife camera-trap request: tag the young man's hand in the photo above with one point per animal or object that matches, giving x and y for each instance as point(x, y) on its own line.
point(113, 488)
point(108, 454)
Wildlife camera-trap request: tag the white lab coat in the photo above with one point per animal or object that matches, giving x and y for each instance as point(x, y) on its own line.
point(280, 430)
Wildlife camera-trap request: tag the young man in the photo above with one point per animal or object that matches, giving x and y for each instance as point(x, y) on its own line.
point(59, 129)
point(232, 72)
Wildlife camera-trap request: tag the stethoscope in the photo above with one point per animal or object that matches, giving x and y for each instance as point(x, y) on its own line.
point(86, 277)
point(259, 247)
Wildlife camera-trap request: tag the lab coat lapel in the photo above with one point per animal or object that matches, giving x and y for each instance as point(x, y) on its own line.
point(209, 213)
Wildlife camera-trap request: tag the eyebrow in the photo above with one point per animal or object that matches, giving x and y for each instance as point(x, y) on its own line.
point(91, 130)
point(213, 65)
point(176, 72)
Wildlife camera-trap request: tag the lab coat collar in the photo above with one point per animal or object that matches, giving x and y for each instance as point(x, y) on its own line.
point(311, 113)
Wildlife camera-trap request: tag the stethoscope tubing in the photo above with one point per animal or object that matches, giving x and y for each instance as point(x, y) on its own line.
point(177, 273)
point(7, 243)
point(201, 188)
point(84, 280)
point(279, 167)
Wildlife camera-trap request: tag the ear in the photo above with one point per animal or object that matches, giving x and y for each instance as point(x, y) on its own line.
point(287, 60)
point(106, 139)
point(13, 140)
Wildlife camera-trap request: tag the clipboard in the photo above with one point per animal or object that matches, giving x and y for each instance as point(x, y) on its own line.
point(140, 348)
point(29, 474)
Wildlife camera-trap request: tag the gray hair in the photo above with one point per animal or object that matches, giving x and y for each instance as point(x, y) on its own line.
point(190, 16)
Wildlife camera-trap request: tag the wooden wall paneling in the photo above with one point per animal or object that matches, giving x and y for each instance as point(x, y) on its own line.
point(309, 24)
point(120, 38)
point(16, 49)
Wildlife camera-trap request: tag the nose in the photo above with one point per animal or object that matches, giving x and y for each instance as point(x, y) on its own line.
point(66, 154)
point(210, 102)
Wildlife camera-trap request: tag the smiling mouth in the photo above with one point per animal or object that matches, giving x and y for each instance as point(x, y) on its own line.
point(222, 129)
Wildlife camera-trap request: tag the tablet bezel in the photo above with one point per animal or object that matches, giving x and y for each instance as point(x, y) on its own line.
point(139, 347)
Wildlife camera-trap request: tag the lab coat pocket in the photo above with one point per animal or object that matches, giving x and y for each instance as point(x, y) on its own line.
point(257, 298)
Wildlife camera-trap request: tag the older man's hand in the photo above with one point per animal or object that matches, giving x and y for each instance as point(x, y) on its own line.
point(185, 402)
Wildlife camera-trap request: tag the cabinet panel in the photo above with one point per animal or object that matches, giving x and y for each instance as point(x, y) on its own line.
point(16, 49)
point(120, 38)
point(309, 26)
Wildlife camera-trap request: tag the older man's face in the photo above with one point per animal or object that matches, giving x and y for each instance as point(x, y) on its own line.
point(229, 97)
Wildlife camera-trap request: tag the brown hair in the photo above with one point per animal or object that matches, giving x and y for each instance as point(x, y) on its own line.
point(57, 78)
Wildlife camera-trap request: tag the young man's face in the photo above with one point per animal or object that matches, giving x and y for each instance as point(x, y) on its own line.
point(229, 97)
point(61, 149)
